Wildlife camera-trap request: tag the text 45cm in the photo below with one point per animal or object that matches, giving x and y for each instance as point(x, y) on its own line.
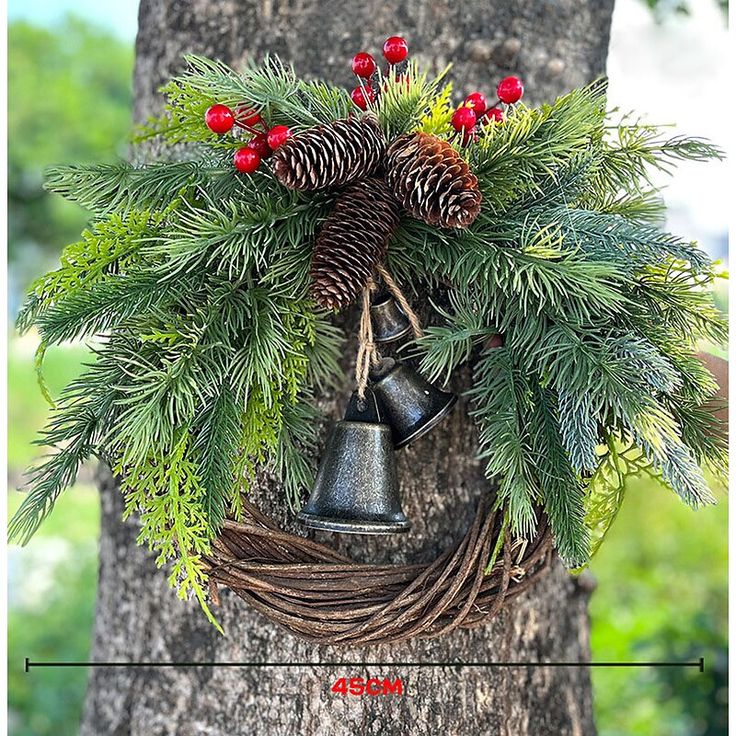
point(373, 686)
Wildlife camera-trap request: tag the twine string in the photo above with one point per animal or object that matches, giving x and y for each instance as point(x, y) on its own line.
point(397, 294)
point(368, 356)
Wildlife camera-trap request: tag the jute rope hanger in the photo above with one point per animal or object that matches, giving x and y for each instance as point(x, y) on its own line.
point(368, 356)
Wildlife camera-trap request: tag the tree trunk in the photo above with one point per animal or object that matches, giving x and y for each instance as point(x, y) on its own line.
point(554, 45)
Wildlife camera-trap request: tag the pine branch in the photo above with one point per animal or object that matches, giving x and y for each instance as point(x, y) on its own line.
point(84, 411)
point(512, 158)
point(618, 368)
point(621, 374)
point(579, 419)
point(218, 440)
point(51, 477)
point(172, 377)
point(404, 99)
point(704, 433)
point(323, 354)
point(681, 300)
point(638, 149)
point(562, 490)
point(678, 468)
point(535, 283)
point(698, 384)
point(629, 244)
point(236, 237)
point(445, 347)
point(501, 409)
point(271, 87)
point(106, 188)
point(643, 208)
point(109, 248)
point(295, 450)
point(103, 305)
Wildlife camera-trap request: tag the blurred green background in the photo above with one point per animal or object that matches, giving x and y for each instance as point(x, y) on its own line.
point(661, 575)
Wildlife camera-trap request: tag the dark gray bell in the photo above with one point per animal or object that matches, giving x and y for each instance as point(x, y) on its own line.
point(408, 403)
point(357, 489)
point(389, 322)
point(363, 410)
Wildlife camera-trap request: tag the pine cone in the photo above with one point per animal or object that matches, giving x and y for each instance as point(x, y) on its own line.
point(330, 155)
point(352, 241)
point(432, 181)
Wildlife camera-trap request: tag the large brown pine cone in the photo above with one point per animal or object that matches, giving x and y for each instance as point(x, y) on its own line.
point(432, 181)
point(330, 155)
point(352, 242)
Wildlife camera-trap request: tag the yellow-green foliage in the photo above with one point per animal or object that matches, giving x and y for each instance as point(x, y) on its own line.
point(167, 493)
point(437, 118)
point(103, 251)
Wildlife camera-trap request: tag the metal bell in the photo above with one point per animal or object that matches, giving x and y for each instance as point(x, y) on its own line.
point(407, 402)
point(363, 410)
point(357, 489)
point(389, 322)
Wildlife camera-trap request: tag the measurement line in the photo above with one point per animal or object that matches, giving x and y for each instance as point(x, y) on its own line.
point(700, 664)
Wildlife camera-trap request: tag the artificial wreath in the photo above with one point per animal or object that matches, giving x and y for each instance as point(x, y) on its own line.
point(210, 278)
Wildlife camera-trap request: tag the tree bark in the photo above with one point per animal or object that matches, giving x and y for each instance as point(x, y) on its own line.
point(554, 45)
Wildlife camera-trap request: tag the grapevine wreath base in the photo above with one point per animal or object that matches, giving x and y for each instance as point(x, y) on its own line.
point(323, 596)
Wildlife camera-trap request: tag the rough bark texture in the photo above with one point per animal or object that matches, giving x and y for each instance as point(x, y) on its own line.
point(554, 45)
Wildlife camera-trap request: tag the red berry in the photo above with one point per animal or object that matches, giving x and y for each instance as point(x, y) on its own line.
point(510, 89)
point(277, 136)
point(476, 102)
point(361, 96)
point(495, 341)
point(219, 119)
point(248, 118)
point(259, 143)
point(246, 160)
point(395, 49)
point(364, 65)
point(463, 119)
point(495, 113)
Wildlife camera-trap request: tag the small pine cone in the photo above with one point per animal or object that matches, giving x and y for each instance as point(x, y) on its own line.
point(432, 181)
point(330, 155)
point(352, 242)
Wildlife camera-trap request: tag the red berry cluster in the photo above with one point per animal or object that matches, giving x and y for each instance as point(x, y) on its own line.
point(220, 119)
point(475, 109)
point(395, 50)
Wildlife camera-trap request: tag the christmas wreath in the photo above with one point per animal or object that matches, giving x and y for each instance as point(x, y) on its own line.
point(210, 278)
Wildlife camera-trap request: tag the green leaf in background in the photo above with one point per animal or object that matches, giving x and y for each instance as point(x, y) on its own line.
point(71, 95)
point(661, 596)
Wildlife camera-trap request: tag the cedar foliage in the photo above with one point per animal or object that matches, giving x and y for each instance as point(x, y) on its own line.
point(210, 352)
